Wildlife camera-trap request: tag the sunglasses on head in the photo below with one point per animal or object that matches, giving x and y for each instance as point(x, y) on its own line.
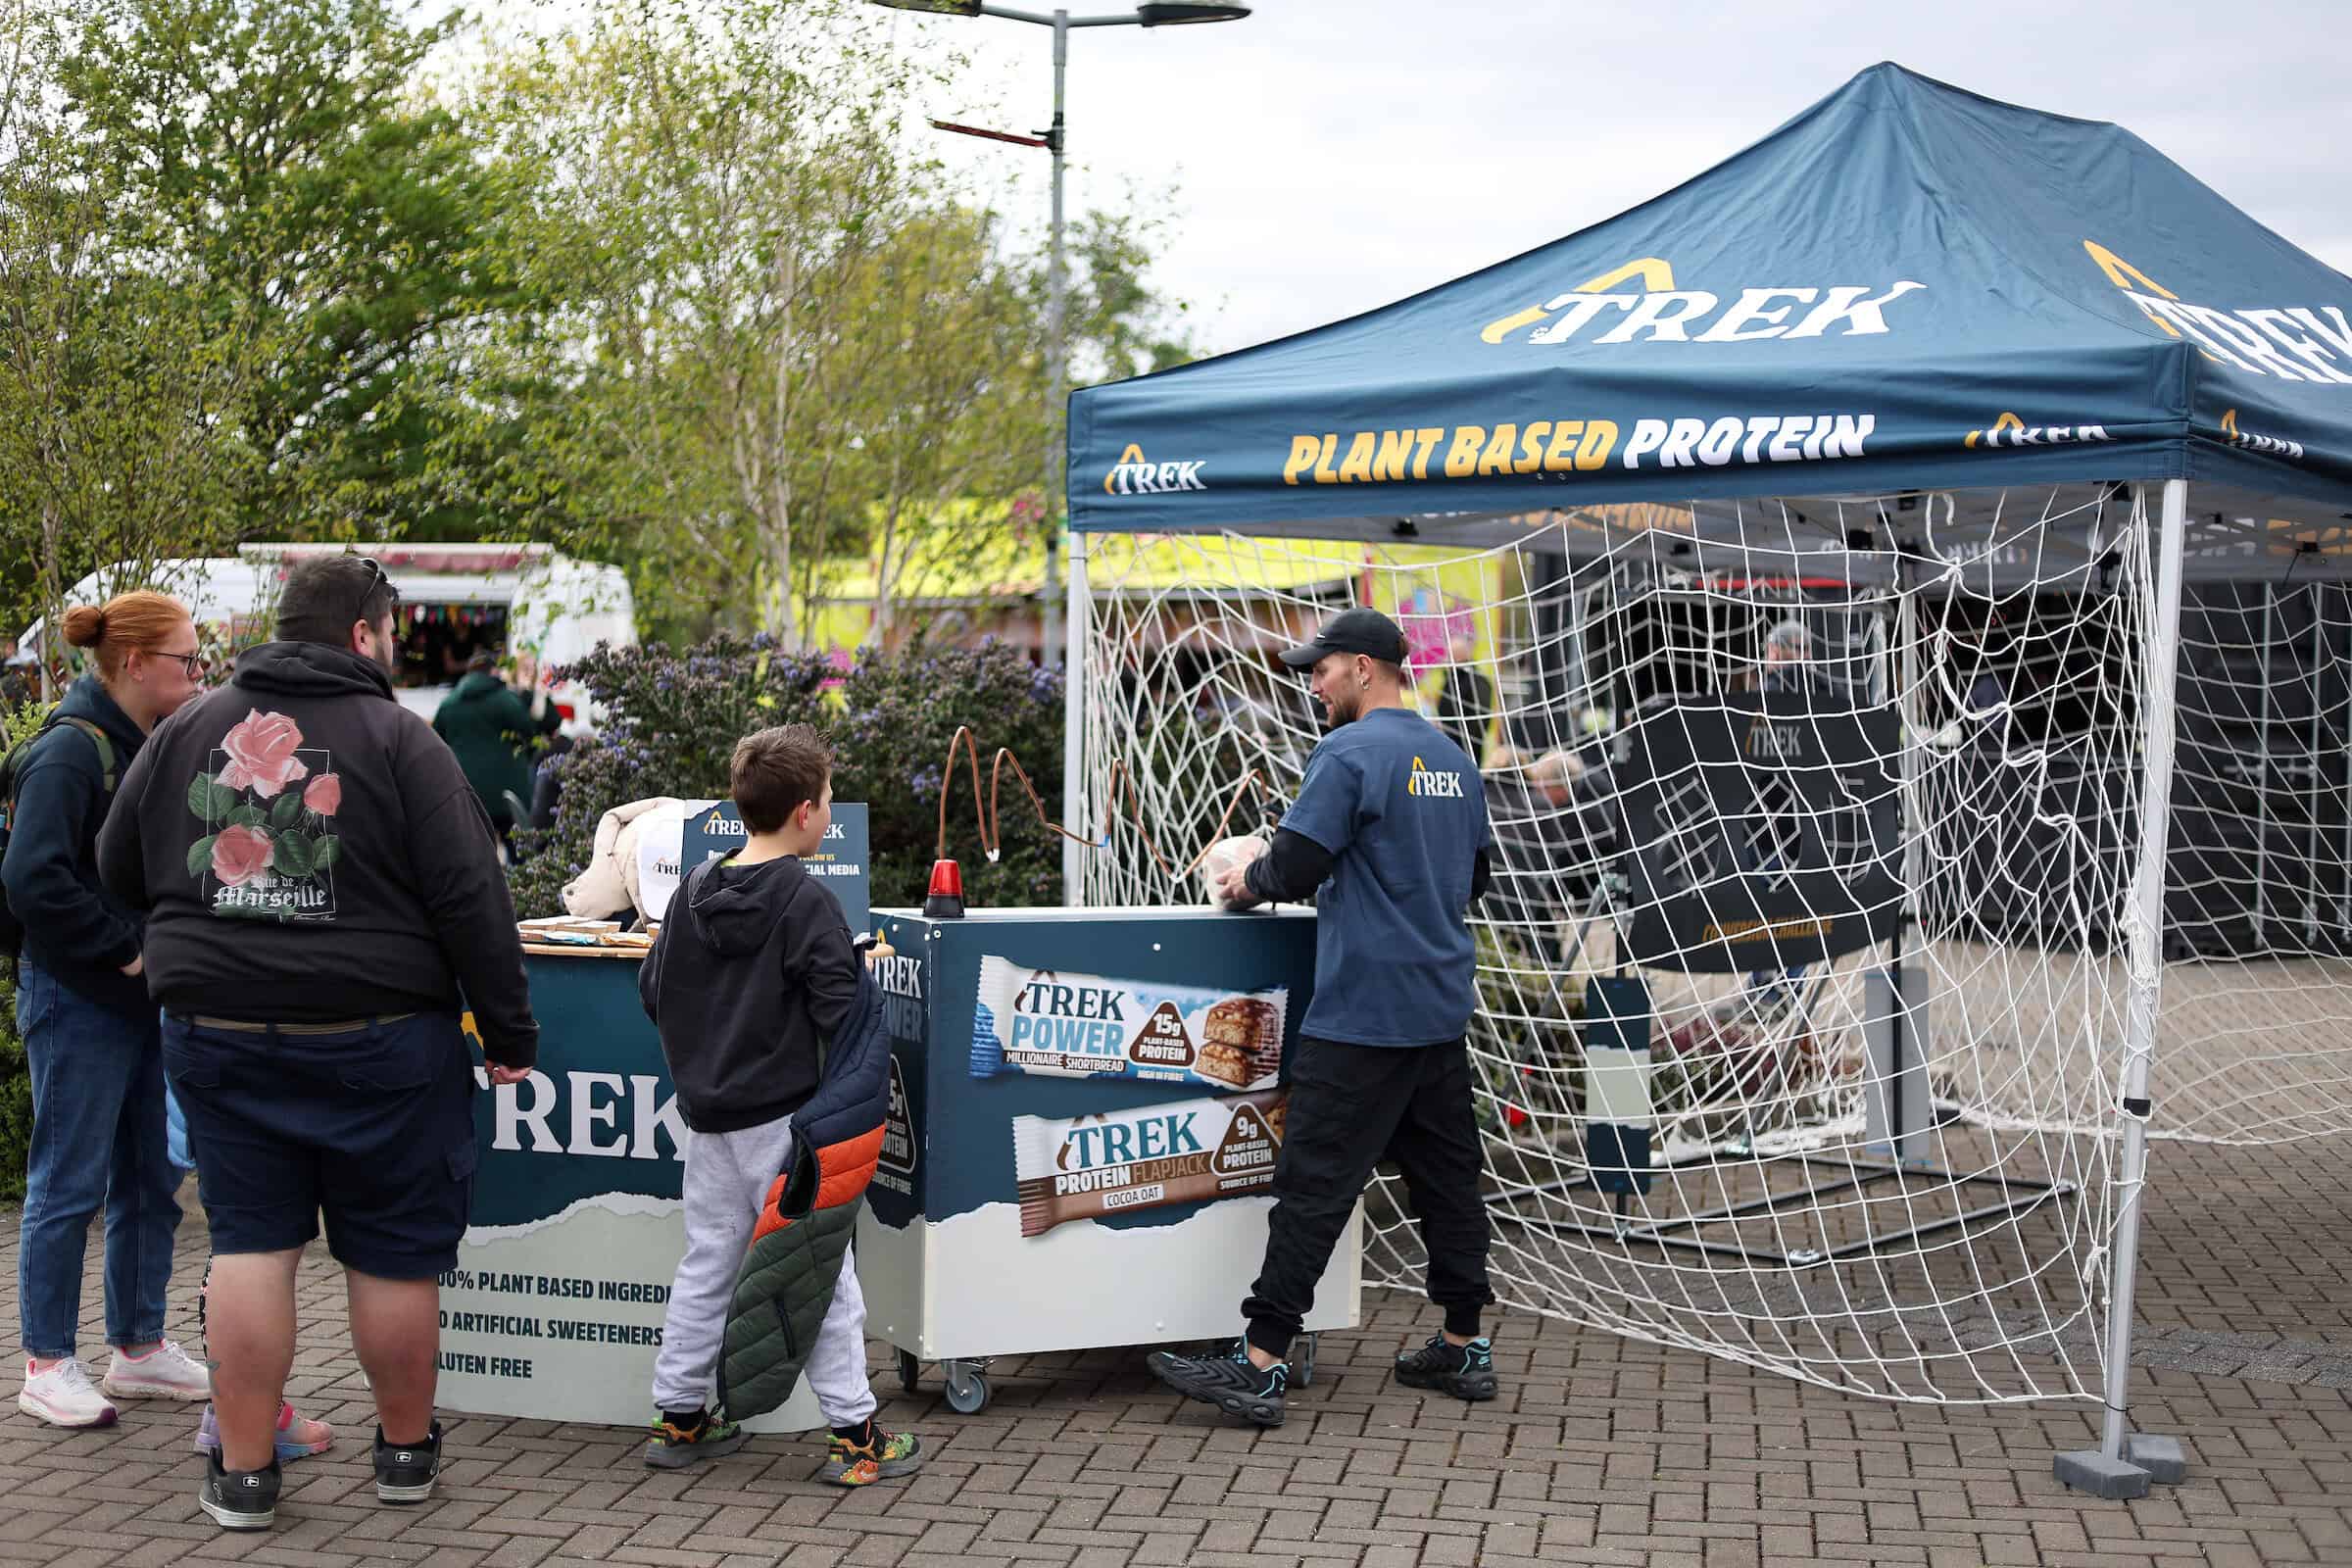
point(378, 577)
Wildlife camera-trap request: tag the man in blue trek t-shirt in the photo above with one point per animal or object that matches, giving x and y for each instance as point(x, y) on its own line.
point(1390, 834)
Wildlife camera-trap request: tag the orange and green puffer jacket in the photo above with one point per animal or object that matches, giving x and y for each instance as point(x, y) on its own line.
point(809, 1218)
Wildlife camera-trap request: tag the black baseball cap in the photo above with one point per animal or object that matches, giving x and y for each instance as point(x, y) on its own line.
point(1351, 631)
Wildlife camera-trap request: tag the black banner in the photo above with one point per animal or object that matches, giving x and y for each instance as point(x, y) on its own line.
point(1763, 831)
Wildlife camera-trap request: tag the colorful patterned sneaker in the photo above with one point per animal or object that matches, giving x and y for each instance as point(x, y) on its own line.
point(240, 1500)
point(1465, 1371)
point(166, 1372)
point(884, 1456)
point(406, 1475)
point(298, 1436)
point(670, 1446)
point(64, 1396)
point(1230, 1382)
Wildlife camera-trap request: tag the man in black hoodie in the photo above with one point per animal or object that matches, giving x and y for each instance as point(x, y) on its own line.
point(323, 901)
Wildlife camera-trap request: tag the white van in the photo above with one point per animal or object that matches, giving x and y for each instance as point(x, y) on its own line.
point(454, 599)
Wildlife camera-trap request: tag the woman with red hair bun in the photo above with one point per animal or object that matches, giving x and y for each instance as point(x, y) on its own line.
point(92, 1039)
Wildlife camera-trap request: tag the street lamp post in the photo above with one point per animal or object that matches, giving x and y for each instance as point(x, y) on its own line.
point(1171, 13)
point(1058, 390)
point(1057, 290)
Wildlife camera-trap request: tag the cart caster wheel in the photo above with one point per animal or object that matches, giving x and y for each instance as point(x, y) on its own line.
point(1302, 1361)
point(910, 1371)
point(967, 1395)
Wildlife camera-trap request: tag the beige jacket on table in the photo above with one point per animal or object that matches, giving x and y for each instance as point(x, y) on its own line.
point(610, 884)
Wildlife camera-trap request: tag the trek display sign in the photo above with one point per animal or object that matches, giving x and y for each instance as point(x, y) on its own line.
point(842, 866)
point(554, 1311)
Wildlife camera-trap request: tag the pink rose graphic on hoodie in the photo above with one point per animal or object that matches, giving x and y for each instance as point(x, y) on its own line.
point(268, 845)
point(261, 754)
point(239, 855)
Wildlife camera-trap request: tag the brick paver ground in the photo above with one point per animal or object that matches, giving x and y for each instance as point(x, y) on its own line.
point(1602, 1451)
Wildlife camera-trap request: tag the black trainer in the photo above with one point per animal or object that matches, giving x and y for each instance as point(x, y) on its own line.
point(1229, 1382)
point(240, 1500)
point(406, 1475)
point(1465, 1371)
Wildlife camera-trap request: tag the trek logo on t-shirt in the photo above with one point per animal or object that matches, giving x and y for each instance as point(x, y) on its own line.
point(1426, 783)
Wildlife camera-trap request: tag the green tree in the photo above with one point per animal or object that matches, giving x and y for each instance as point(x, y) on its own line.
point(708, 182)
point(947, 418)
point(783, 336)
point(283, 160)
point(122, 391)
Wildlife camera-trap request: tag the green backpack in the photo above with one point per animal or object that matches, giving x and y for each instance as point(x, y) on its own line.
point(12, 930)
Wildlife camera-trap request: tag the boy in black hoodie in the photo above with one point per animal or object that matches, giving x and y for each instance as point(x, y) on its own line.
point(752, 975)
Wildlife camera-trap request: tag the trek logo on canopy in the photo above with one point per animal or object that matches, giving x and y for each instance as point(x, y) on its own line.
point(2011, 431)
point(2269, 445)
point(1429, 784)
point(1664, 313)
point(1131, 475)
point(2293, 342)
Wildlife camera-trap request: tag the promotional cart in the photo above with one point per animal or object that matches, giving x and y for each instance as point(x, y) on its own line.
point(555, 1310)
point(1085, 1113)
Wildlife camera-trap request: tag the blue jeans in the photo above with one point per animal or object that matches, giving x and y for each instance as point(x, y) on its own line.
point(98, 1140)
point(177, 1144)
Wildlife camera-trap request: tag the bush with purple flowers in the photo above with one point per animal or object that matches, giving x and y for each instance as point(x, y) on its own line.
point(672, 717)
point(899, 713)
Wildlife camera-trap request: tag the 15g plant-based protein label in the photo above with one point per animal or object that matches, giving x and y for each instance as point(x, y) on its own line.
point(1063, 1025)
point(1186, 1151)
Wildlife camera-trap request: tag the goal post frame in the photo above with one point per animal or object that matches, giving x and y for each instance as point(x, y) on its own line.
point(2124, 1463)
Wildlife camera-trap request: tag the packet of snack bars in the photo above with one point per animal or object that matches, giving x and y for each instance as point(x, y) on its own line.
point(1063, 1025)
point(1185, 1151)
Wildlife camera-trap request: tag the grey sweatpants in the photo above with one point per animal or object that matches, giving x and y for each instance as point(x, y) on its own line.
point(727, 1175)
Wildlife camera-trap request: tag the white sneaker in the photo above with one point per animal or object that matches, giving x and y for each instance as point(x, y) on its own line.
point(166, 1372)
point(64, 1397)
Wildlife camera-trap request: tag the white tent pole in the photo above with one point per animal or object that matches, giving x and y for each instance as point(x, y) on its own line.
point(1896, 1097)
point(1078, 624)
point(2262, 763)
point(2313, 893)
point(2114, 1472)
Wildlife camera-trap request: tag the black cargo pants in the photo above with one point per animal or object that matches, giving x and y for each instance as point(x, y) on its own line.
point(1351, 1107)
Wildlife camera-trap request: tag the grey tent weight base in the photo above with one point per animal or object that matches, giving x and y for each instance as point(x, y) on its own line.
point(2144, 1461)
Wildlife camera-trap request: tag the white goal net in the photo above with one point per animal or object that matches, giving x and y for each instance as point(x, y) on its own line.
point(1804, 976)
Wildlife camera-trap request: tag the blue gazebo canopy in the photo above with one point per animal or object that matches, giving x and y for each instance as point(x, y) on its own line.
point(1905, 288)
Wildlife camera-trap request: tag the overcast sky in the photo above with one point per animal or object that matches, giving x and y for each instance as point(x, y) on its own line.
point(1327, 156)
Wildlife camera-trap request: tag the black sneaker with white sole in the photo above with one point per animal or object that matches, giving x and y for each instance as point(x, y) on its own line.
point(406, 1475)
point(240, 1500)
point(1465, 1371)
point(1230, 1382)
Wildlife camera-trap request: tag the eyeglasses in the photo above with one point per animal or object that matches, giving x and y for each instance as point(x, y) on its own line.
point(194, 663)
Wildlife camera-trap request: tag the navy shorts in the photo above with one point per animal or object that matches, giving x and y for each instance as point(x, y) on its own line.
point(372, 1126)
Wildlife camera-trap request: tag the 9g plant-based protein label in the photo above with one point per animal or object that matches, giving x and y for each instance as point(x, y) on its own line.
point(1063, 1025)
point(1186, 1151)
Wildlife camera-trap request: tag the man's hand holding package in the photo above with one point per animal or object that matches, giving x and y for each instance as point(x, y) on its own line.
point(1227, 868)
